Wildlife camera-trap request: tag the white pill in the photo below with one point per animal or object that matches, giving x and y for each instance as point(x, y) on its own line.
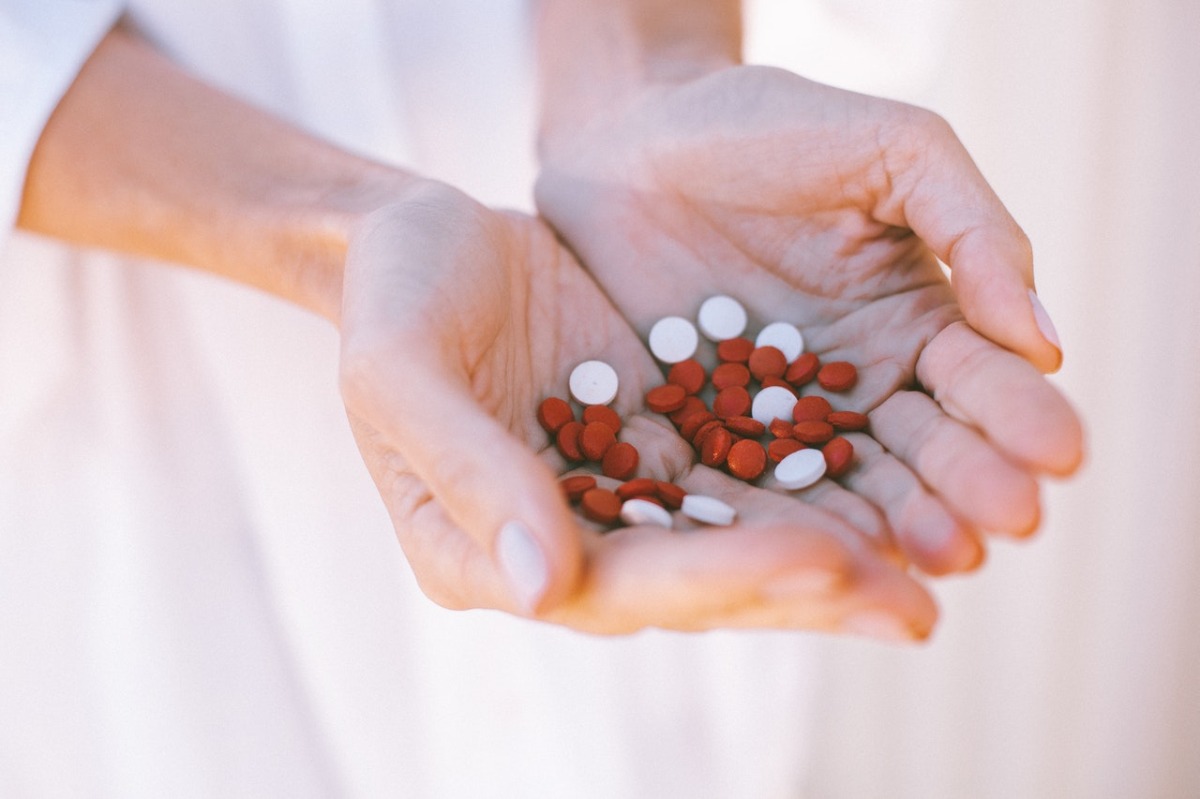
point(785, 336)
point(721, 318)
point(673, 339)
point(773, 402)
point(639, 511)
point(594, 383)
point(708, 510)
point(800, 469)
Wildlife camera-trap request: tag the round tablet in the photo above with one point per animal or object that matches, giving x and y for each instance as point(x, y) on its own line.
point(784, 336)
point(673, 339)
point(593, 383)
point(709, 510)
point(639, 511)
point(773, 402)
point(800, 469)
point(721, 318)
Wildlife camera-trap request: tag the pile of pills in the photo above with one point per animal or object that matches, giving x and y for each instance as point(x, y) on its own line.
point(753, 415)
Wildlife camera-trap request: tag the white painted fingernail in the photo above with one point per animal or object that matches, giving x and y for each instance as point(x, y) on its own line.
point(523, 564)
point(873, 624)
point(1043, 321)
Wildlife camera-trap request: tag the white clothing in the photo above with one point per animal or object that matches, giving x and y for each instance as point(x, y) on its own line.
point(200, 592)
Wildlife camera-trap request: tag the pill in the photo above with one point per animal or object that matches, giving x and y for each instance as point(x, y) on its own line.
point(735, 350)
point(567, 441)
point(667, 398)
point(813, 432)
point(596, 439)
point(553, 413)
point(838, 376)
point(784, 336)
point(780, 448)
point(673, 339)
point(708, 510)
point(689, 374)
point(800, 469)
point(746, 459)
point(641, 511)
point(703, 431)
point(839, 456)
point(773, 403)
point(670, 494)
point(768, 361)
point(730, 374)
point(848, 420)
point(594, 383)
point(811, 409)
point(692, 424)
point(721, 318)
point(576, 486)
point(780, 428)
point(690, 405)
point(601, 505)
point(621, 461)
point(637, 487)
point(732, 401)
point(714, 446)
point(746, 426)
point(603, 414)
point(802, 370)
point(769, 381)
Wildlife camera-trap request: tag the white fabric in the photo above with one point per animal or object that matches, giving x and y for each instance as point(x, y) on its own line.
point(200, 593)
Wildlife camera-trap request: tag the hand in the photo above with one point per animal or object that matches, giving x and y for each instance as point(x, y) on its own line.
point(830, 209)
point(457, 321)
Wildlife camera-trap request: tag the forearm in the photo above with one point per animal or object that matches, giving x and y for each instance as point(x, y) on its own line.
point(141, 158)
point(593, 52)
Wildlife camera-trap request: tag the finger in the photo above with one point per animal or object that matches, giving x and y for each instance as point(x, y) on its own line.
point(923, 527)
point(935, 188)
point(1019, 411)
point(491, 485)
point(975, 481)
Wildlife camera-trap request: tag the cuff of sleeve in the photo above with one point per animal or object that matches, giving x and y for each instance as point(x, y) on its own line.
point(43, 45)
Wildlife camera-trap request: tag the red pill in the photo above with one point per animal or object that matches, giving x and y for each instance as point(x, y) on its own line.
point(603, 414)
point(714, 447)
point(621, 461)
point(567, 441)
point(839, 457)
point(837, 376)
point(730, 374)
point(732, 401)
point(735, 350)
point(577, 485)
point(780, 428)
point(637, 487)
point(690, 405)
point(693, 423)
point(746, 459)
point(848, 420)
point(553, 413)
point(780, 448)
point(767, 361)
point(595, 440)
point(704, 430)
point(746, 426)
point(802, 370)
point(664, 399)
point(689, 375)
point(601, 505)
point(811, 409)
point(670, 494)
point(767, 382)
point(812, 432)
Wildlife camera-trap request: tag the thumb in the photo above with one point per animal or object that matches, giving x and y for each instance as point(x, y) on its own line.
point(944, 199)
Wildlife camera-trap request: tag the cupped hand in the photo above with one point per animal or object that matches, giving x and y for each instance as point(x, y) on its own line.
point(831, 210)
point(457, 321)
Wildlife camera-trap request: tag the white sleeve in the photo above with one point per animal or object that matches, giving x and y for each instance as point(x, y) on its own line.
point(43, 44)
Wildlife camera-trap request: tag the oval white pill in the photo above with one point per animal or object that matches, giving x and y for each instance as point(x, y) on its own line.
point(594, 383)
point(639, 511)
point(784, 336)
point(708, 510)
point(673, 339)
point(800, 469)
point(721, 318)
point(773, 402)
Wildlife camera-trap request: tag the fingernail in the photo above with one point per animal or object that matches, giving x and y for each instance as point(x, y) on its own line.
point(1043, 321)
point(523, 564)
point(801, 584)
point(873, 624)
